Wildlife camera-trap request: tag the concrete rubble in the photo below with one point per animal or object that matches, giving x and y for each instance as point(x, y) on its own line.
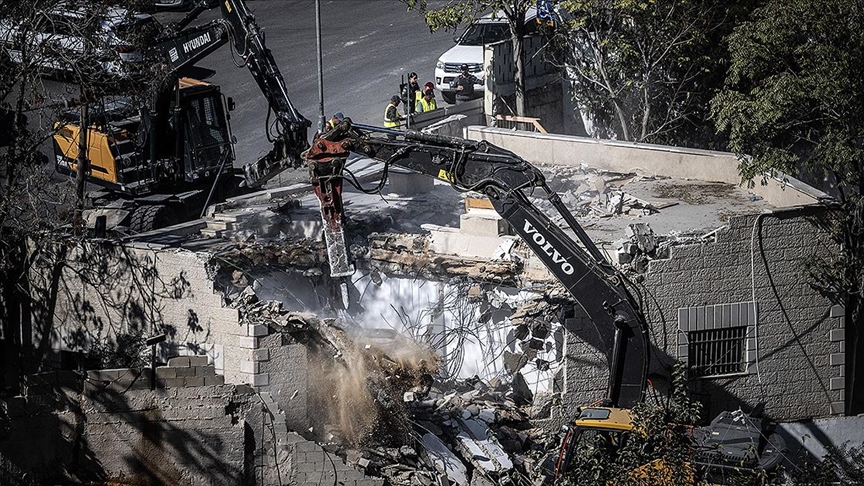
point(415, 428)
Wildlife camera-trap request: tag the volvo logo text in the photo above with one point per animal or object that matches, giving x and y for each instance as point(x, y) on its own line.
point(547, 248)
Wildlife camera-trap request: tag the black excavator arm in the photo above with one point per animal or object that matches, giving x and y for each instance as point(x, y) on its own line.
point(184, 46)
point(507, 180)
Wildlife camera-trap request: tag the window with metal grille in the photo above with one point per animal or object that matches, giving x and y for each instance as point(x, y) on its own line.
point(717, 339)
point(715, 352)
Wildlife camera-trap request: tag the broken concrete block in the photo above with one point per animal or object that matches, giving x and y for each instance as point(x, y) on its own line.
point(179, 362)
point(479, 445)
point(642, 234)
point(487, 415)
point(408, 397)
point(522, 394)
point(483, 224)
point(623, 256)
point(440, 457)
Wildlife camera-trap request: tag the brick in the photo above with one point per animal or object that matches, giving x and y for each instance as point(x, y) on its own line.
point(199, 361)
point(214, 380)
point(262, 354)
point(837, 359)
point(257, 330)
point(838, 311)
point(247, 342)
point(193, 381)
point(836, 335)
point(179, 362)
point(166, 372)
point(837, 408)
point(173, 382)
point(205, 371)
point(250, 367)
point(838, 383)
point(261, 379)
point(185, 372)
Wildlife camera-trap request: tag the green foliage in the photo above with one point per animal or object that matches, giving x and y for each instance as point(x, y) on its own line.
point(841, 465)
point(660, 432)
point(644, 70)
point(793, 102)
point(457, 13)
point(794, 93)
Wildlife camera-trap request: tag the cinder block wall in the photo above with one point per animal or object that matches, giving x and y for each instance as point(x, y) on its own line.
point(793, 353)
point(108, 288)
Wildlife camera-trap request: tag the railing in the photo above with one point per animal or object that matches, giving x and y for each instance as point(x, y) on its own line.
point(523, 123)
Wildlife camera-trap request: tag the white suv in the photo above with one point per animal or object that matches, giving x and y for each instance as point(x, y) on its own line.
point(56, 38)
point(469, 50)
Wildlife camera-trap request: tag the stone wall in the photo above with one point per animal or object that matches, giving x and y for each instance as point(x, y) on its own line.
point(793, 352)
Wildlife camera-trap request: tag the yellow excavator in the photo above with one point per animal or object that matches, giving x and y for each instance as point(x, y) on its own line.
point(165, 162)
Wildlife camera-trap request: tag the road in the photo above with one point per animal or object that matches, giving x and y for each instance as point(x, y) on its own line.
point(367, 45)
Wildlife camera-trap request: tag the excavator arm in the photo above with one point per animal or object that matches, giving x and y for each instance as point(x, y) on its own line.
point(184, 46)
point(507, 180)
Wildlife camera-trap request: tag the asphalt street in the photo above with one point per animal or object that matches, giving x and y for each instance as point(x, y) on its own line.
point(367, 45)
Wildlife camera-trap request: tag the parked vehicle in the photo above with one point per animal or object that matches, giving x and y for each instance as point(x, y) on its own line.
point(489, 29)
point(61, 36)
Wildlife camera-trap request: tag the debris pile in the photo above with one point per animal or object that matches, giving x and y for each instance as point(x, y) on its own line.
point(380, 405)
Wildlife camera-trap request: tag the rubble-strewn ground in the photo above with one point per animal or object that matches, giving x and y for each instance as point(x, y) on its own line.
point(384, 408)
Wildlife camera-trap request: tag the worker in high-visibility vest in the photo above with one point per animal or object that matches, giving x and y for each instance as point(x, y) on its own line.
point(427, 101)
point(392, 118)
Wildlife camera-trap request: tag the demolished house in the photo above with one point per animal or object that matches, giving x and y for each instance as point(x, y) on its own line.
point(458, 355)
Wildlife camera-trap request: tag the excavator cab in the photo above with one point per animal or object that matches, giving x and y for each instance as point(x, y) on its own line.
point(135, 153)
point(206, 132)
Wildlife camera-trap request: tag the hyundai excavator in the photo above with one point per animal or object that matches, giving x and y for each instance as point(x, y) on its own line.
point(731, 442)
point(165, 162)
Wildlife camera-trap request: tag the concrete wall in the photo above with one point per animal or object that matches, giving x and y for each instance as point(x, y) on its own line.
point(793, 353)
point(626, 157)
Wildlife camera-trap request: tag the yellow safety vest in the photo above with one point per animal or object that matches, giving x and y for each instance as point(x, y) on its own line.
point(423, 106)
point(388, 123)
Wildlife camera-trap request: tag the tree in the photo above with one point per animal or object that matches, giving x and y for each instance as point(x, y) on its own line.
point(35, 204)
point(645, 70)
point(793, 102)
point(460, 12)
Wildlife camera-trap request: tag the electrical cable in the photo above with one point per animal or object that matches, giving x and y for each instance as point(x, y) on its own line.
point(756, 222)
